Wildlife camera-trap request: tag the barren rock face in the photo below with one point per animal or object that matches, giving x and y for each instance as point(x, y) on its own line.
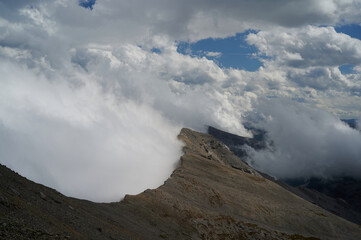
point(211, 195)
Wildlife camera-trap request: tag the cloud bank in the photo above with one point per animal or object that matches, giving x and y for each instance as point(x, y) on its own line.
point(80, 140)
point(305, 142)
point(88, 107)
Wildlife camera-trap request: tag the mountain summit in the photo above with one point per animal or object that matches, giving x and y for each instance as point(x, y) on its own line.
point(212, 194)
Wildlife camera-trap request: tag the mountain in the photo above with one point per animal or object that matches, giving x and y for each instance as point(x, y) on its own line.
point(341, 195)
point(236, 143)
point(212, 194)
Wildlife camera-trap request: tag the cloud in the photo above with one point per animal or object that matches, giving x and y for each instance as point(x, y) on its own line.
point(305, 142)
point(213, 54)
point(172, 83)
point(308, 46)
point(143, 19)
point(80, 140)
point(83, 93)
point(108, 117)
point(309, 58)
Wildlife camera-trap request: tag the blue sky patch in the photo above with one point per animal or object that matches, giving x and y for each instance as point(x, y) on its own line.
point(353, 30)
point(347, 69)
point(228, 52)
point(87, 3)
point(156, 50)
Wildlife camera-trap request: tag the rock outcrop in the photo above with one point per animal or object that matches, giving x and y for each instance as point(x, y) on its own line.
point(211, 195)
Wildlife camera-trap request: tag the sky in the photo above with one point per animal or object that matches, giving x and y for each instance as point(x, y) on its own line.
point(93, 93)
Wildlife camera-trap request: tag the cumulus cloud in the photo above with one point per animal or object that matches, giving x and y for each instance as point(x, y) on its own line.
point(310, 58)
point(172, 83)
point(308, 46)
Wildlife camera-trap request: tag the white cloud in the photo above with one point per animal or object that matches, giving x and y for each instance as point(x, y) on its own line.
point(81, 141)
point(175, 84)
point(213, 54)
point(306, 143)
point(308, 46)
point(310, 57)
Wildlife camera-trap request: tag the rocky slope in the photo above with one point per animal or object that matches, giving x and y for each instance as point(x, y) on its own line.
point(236, 143)
point(211, 195)
point(341, 196)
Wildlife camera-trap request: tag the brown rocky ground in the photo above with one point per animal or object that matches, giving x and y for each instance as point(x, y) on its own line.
point(341, 196)
point(211, 195)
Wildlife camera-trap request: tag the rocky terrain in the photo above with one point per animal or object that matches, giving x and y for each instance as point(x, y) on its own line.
point(236, 143)
point(211, 195)
point(341, 196)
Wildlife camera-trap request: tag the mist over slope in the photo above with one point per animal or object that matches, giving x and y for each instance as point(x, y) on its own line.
point(80, 140)
point(304, 142)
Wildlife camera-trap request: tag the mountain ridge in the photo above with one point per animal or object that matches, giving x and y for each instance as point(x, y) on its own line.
point(212, 194)
point(335, 195)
